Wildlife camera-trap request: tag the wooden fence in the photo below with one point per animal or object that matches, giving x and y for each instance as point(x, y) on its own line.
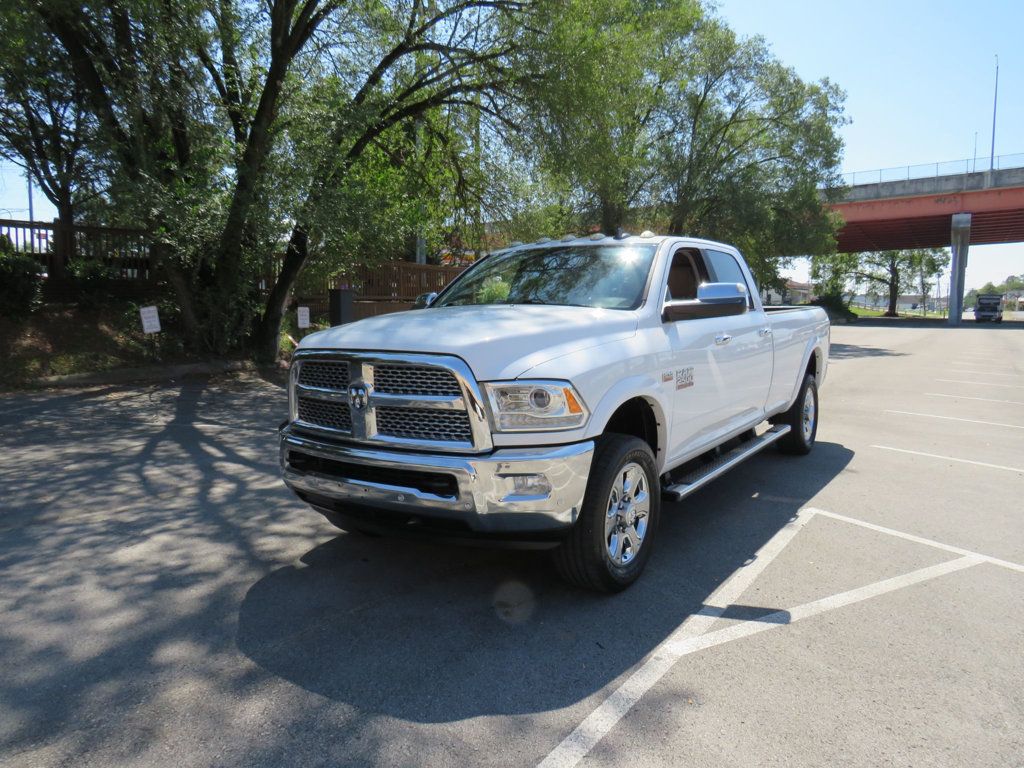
point(380, 288)
point(54, 245)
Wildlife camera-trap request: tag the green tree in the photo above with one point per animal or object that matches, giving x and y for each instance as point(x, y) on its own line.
point(190, 99)
point(748, 148)
point(665, 119)
point(598, 96)
point(831, 273)
point(44, 125)
point(898, 271)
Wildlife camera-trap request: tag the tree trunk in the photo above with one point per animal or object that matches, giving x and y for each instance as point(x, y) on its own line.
point(64, 238)
point(268, 330)
point(182, 292)
point(612, 216)
point(247, 176)
point(894, 295)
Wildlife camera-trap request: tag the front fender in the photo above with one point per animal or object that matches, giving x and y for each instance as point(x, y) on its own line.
point(644, 386)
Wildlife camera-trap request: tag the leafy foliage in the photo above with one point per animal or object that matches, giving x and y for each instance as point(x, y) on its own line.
point(21, 281)
point(1013, 284)
point(263, 143)
point(893, 272)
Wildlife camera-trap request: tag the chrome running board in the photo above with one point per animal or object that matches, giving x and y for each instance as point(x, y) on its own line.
point(703, 475)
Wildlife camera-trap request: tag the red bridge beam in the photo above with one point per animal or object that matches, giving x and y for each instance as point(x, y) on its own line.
point(924, 222)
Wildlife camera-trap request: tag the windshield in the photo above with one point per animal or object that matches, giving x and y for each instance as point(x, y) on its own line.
point(608, 276)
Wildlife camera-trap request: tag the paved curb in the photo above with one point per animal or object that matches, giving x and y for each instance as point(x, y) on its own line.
point(131, 375)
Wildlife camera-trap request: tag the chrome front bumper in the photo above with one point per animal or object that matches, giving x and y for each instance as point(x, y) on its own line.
point(483, 494)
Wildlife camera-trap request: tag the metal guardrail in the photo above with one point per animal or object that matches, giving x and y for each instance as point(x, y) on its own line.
point(932, 170)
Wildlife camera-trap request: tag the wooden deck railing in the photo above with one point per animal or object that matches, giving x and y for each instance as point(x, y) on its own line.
point(391, 286)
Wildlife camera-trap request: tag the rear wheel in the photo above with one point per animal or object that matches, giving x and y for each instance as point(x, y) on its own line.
point(802, 418)
point(608, 547)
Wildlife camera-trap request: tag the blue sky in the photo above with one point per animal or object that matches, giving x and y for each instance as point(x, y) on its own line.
point(918, 77)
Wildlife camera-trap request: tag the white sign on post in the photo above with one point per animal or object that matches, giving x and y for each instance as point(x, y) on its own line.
point(303, 317)
point(150, 319)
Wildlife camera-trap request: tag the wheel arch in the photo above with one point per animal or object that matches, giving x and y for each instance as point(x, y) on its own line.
point(639, 415)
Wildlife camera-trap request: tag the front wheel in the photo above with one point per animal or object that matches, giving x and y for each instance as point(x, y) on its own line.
point(611, 541)
point(802, 418)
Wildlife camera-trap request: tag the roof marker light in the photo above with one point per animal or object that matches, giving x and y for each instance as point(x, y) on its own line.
point(598, 236)
point(647, 233)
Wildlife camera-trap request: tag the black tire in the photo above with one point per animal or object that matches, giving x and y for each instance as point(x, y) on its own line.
point(799, 441)
point(583, 558)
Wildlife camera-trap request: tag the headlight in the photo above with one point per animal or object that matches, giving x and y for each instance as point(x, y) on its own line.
point(530, 406)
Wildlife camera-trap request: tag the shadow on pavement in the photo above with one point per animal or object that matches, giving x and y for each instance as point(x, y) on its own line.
point(848, 351)
point(432, 633)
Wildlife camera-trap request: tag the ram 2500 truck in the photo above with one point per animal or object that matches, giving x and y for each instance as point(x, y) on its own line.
point(551, 396)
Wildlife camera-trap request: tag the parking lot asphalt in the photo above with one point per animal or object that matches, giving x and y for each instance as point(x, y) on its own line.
point(165, 601)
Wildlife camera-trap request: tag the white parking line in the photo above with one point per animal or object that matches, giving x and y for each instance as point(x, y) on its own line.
point(981, 399)
point(916, 539)
point(980, 383)
point(692, 634)
point(948, 458)
point(585, 737)
point(955, 418)
point(599, 722)
point(973, 372)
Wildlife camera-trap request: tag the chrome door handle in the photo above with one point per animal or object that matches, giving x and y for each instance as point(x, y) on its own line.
point(724, 338)
point(764, 332)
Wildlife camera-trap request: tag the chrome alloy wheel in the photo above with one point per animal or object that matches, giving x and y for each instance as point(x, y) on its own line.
point(629, 505)
point(809, 415)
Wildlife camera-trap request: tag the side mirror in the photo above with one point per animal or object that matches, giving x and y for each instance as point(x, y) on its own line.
point(713, 300)
point(424, 300)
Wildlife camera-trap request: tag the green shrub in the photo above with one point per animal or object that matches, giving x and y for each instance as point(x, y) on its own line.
point(21, 283)
point(493, 291)
point(94, 282)
point(836, 307)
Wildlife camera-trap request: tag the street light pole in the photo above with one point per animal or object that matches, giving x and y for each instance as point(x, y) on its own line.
point(995, 103)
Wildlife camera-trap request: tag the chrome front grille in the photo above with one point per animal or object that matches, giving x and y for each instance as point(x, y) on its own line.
point(325, 413)
point(424, 424)
point(403, 400)
point(325, 374)
point(415, 380)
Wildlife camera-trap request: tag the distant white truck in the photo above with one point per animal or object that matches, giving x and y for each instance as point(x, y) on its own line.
point(550, 396)
point(988, 308)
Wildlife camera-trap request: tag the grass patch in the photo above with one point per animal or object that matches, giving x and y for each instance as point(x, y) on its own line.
point(862, 312)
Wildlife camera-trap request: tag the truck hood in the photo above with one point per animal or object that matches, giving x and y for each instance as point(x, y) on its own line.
point(497, 341)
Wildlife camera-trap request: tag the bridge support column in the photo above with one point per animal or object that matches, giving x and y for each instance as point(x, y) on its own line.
point(959, 240)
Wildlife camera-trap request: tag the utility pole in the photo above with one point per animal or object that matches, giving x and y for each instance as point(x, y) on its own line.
point(974, 163)
point(995, 103)
point(924, 296)
point(28, 179)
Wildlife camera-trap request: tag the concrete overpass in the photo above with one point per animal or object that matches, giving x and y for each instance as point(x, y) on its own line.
point(955, 209)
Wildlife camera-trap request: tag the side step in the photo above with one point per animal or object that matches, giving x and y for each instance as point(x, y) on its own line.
point(701, 476)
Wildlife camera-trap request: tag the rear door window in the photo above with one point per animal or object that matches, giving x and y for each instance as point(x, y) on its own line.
point(727, 270)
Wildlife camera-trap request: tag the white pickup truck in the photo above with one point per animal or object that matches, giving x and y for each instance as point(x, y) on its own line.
point(550, 396)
